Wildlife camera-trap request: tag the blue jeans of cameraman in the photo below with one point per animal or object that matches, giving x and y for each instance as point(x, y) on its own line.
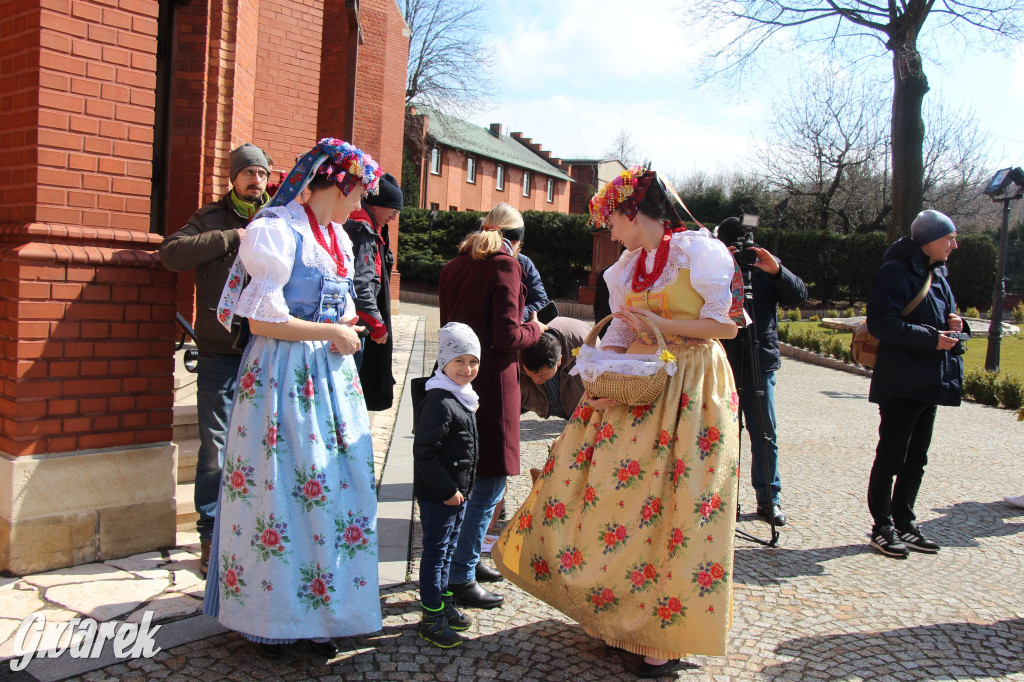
point(767, 494)
point(215, 395)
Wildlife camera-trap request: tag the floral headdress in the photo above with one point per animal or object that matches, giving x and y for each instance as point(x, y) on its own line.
point(343, 163)
point(626, 190)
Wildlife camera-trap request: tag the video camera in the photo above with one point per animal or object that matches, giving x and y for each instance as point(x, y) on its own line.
point(745, 254)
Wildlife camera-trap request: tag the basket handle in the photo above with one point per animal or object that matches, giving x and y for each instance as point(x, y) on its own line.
point(591, 339)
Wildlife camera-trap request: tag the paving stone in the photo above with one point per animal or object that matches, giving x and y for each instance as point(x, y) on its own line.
point(167, 607)
point(19, 603)
point(138, 562)
point(86, 573)
point(105, 599)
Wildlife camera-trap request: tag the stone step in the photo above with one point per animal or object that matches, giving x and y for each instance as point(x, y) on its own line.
point(185, 422)
point(188, 455)
point(187, 514)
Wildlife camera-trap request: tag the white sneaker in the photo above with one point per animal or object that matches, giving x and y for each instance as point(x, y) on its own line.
point(1015, 501)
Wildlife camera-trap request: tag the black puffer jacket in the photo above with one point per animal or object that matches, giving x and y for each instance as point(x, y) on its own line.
point(908, 365)
point(446, 448)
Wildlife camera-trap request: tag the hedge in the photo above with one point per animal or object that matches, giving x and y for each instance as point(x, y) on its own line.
point(835, 267)
point(560, 245)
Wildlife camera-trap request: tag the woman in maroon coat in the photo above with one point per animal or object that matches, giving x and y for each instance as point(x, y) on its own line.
point(483, 288)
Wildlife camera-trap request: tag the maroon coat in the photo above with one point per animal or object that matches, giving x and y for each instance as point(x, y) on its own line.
point(488, 295)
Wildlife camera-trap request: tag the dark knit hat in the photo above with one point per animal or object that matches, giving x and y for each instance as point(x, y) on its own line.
point(247, 155)
point(389, 194)
point(930, 225)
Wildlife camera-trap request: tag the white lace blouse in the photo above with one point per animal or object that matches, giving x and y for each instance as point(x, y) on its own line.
point(268, 254)
point(711, 269)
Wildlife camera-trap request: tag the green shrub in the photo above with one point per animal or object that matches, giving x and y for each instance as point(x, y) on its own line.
point(793, 315)
point(980, 386)
point(814, 318)
point(784, 333)
point(848, 312)
point(832, 312)
point(1018, 313)
point(814, 340)
point(1009, 390)
point(832, 345)
point(973, 312)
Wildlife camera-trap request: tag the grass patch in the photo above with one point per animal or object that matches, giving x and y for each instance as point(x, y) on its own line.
point(1011, 350)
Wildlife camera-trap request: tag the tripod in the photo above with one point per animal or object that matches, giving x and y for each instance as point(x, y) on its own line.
point(748, 359)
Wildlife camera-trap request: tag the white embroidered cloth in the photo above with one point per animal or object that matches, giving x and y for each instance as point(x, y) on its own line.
point(592, 362)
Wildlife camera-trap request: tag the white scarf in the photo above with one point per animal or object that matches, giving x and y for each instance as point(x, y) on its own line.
point(464, 394)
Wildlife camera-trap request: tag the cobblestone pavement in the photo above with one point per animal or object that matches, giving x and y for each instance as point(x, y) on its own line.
point(820, 606)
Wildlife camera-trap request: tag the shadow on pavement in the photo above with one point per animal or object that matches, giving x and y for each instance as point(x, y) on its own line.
point(845, 394)
point(963, 522)
point(944, 651)
point(541, 429)
point(760, 566)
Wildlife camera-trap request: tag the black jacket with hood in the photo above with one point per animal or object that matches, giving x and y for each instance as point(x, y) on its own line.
point(908, 365)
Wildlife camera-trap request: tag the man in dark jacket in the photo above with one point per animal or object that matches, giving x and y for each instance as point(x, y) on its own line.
point(208, 244)
point(548, 389)
point(918, 367)
point(771, 285)
point(371, 248)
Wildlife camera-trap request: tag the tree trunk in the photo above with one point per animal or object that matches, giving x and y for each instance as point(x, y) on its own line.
point(909, 88)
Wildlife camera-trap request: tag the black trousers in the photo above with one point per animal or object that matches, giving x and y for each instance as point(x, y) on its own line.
point(904, 434)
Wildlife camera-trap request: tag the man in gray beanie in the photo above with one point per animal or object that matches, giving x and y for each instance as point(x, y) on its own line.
point(913, 313)
point(208, 244)
point(371, 279)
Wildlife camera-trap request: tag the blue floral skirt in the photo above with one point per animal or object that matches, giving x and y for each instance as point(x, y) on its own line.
point(294, 554)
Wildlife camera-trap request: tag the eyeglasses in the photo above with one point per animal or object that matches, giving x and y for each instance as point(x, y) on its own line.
point(251, 173)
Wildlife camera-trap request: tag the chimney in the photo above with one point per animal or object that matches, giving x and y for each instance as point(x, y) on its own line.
point(497, 129)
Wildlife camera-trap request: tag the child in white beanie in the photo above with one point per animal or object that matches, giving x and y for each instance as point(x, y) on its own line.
point(445, 454)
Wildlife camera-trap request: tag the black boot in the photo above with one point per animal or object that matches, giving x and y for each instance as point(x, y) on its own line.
point(457, 620)
point(471, 594)
point(434, 628)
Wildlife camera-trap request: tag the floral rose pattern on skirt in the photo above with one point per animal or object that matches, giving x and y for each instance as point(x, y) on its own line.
point(637, 511)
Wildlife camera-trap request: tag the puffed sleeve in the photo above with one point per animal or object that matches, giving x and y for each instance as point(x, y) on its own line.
point(712, 274)
point(267, 252)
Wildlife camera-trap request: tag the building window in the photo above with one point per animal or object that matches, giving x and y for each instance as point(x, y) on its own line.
point(434, 206)
point(551, 190)
point(471, 169)
point(526, 183)
point(499, 181)
point(435, 161)
point(453, 208)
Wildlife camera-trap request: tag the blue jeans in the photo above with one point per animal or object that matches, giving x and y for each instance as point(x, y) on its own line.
point(765, 495)
point(215, 384)
point(441, 524)
point(487, 492)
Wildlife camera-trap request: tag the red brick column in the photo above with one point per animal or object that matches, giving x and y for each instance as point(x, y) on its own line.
point(87, 332)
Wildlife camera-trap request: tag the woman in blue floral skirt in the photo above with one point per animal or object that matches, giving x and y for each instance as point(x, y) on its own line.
point(295, 549)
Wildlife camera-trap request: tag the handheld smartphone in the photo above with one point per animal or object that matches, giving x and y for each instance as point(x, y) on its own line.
point(547, 313)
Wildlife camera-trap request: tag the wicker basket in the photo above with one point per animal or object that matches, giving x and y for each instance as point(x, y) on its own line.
point(626, 388)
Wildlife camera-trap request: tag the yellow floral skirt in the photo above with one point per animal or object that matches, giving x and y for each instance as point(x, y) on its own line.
point(629, 528)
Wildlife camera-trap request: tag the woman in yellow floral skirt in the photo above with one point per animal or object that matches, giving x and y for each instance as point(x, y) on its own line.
point(629, 528)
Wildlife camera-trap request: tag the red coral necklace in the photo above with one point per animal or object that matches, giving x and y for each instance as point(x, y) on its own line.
point(642, 279)
point(334, 249)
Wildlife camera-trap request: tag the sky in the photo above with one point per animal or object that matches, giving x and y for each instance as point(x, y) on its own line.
point(572, 74)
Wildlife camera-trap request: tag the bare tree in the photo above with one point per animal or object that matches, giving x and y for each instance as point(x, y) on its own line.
point(448, 63)
point(854, 30)
point(624, 149)
point(956, 155)
point(825, 153)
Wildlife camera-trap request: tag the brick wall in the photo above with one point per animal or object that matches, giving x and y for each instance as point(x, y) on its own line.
point(87, 329)
point(288, 78)
point(450, 188)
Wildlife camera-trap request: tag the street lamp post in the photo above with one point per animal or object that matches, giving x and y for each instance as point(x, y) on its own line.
point(997, 189)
